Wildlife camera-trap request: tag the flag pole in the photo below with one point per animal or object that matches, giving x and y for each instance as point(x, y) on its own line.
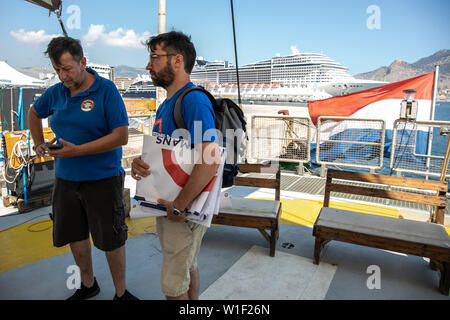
point(433, 109)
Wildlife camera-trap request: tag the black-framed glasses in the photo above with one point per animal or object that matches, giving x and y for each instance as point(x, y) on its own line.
point(155, 56)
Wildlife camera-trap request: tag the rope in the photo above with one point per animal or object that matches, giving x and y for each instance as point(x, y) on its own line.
point(29, 228)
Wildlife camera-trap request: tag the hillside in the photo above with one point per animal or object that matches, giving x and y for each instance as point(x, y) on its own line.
point(128, 72)
point(400, 70)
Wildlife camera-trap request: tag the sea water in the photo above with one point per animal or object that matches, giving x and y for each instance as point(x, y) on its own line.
point(440, 142)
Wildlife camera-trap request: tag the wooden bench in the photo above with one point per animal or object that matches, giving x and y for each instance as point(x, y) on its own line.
point(255, 213)
point(424, 239)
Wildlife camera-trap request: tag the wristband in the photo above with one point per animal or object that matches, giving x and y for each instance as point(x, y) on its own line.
point(175, 211)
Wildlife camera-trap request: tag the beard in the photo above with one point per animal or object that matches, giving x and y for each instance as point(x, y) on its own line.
point(75, 82)
point(164, 78)
point(71, 84)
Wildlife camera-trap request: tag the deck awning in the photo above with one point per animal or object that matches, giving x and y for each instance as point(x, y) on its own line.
point(51, 5)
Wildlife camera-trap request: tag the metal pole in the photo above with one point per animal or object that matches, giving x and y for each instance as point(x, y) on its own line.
point(441, 219)
point(12, 110)
point(446, 160)
point(235, 55)
point(58, 15)
point(433, 108)
point(160, 92)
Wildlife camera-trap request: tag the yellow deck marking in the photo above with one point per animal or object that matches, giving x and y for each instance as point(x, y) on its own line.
point(305, 212)
point(20, 246)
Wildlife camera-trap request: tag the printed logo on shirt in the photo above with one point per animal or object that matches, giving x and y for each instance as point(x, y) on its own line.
point(158, 123)
point(87, 105)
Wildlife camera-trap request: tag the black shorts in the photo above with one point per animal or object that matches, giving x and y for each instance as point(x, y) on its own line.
point(89, 206)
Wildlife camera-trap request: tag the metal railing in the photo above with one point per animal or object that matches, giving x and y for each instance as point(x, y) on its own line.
point(280, 138)
point(405, 156)
point(340, 141)
point(142, 122)
point(350, 142)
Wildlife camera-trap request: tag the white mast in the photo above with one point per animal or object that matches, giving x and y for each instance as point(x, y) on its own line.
point(161, 16)
point(160, 92)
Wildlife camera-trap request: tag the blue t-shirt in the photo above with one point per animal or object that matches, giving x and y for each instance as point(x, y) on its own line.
point(85, 117)
point(198, 115)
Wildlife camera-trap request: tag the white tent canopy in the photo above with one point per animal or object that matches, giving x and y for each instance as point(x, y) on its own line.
point(11, 77)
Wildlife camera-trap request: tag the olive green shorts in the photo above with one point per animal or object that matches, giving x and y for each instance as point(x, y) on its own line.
point(180, 244)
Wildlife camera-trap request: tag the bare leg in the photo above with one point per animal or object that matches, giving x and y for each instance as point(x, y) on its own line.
point(81, 251)
point(194, 285)
point(116, 261)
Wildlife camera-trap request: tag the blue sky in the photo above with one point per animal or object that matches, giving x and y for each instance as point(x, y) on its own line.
point(111, 30)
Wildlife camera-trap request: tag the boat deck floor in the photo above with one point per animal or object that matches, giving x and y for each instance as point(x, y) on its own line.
point(234, 263)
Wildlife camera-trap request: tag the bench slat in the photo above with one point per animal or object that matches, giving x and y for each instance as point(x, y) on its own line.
point(389, 180)
point(256, 182)
point(438, 201)
point(380, 226)
point(243, 221)
point(256, 167)
point(418, 249)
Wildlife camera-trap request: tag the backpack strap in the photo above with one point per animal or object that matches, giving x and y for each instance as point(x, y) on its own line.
point(177, 115)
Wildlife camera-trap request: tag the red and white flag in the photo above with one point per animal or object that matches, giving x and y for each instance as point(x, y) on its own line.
point(383, 102)
point(380, 102)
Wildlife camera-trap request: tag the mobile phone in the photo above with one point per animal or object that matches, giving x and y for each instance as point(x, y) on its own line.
point(53, 146)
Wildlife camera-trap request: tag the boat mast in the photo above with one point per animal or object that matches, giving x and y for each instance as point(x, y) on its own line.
point(161, 16)
point(160, 92)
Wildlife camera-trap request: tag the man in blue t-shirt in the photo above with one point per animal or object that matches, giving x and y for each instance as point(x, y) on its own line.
point(90, 123)
point(172, 57)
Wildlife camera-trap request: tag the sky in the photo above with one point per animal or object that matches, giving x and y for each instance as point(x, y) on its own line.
point(360, 34)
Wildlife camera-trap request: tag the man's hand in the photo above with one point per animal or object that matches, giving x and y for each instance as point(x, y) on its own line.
point(139, 169)
point(170, 215)
point(68, 150)
point(42, 150)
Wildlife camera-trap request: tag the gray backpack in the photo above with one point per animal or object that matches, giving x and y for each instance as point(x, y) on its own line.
point(231, 130)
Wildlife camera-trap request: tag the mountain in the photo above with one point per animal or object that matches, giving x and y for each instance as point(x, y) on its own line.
point(401, 70)
point(128, 72)
point(119, 71)
point(35, 71)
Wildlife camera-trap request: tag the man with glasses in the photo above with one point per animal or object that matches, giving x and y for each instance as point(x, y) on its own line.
point(172, 58)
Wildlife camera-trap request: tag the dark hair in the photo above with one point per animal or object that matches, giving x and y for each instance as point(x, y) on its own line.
point(60, 45)
point(174, 42)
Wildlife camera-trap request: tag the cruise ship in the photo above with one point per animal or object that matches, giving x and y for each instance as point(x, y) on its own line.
point(142, 88)
point(296, 77)
point(103, 70)
point(140, 97)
